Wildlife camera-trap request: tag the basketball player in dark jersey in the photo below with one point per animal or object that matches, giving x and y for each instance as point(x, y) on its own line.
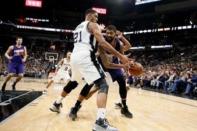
point(114, 67)
point(17, 55)
point(119, 42)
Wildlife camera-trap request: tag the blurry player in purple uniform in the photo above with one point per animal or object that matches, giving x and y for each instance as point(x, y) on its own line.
point(17, 55)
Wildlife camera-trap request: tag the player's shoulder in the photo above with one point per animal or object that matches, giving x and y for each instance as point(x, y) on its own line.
point(11, 47)
point(92, 26)
point(81, 25)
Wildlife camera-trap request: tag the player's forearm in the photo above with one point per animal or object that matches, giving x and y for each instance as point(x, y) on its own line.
point(107, 47)
point(127, 44)
point(7, 56)
point(25, 57)
point(107, 64)
point(114, 66)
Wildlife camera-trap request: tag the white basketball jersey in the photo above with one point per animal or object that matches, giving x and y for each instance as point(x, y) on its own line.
point(65, 66)
point(83, 39)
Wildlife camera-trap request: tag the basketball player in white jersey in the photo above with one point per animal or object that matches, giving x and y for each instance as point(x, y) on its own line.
point(111, 65)
point(84, 64)
point(63, 71)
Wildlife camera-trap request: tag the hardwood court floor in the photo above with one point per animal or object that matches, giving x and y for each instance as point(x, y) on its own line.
point(152, 112)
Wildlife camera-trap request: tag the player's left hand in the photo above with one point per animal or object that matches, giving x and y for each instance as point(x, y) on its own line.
point(23, 60)
point(124, 59)
point(119, 34)
point(126, 67)
point(102, 27)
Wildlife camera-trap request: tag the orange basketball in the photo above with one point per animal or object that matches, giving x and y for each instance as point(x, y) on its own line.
point(136, 69)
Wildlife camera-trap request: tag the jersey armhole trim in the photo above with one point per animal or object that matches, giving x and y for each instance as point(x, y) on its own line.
point(87, 27)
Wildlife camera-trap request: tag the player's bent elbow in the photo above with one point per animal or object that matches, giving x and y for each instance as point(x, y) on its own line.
point(6, 55)
point(127, 47)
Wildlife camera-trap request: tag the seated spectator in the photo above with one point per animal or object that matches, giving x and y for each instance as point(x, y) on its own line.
point(191, 84)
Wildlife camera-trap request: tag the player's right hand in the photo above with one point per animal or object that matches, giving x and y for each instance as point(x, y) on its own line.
point(10, 57)
point(102, 27)
point(124, 59)
point(23, 60)
point(126, 66)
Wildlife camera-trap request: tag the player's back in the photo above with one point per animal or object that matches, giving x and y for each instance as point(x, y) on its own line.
point(83, 39)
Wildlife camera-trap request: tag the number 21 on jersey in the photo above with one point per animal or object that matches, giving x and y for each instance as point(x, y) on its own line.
point(77, 37)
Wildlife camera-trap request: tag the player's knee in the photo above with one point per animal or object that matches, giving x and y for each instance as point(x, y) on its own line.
point(102, 85)
point(70, 86)
point(86, 89)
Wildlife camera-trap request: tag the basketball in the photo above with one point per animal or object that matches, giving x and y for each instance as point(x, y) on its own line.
point(136, 69)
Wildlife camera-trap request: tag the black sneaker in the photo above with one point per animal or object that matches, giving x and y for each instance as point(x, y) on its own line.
point(73, 112)
point(103, 125)
point(126, 112)
point(118, 105)
point(56, 107)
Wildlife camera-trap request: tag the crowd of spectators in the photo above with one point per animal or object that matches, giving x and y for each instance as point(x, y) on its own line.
point(172, 70)
point(174, 75)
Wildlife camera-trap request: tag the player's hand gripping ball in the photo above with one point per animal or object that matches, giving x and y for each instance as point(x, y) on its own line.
point(135, 69)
